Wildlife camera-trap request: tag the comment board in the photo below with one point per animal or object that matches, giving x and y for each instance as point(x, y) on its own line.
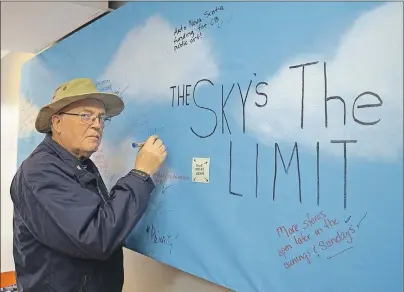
point(283, 124)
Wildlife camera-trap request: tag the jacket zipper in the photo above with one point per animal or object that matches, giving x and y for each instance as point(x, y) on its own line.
point(99, 191)
point(99, 176)
point(84, 283)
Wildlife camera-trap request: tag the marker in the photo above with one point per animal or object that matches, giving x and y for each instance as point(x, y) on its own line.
point(138, 144)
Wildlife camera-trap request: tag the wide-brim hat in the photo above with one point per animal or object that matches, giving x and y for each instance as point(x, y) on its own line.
point(72, 91)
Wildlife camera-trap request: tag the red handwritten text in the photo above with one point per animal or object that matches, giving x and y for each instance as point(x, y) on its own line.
point(310, 221)
point(288, 231)
point(340, 237)
point(283, 250)
point(302, 257)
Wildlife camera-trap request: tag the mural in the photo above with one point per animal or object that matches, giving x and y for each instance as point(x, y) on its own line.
point(283, 123)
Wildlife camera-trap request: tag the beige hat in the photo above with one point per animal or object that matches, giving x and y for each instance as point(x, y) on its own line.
point(72, 91)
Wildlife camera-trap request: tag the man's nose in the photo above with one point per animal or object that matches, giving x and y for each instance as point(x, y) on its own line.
point(96, 123)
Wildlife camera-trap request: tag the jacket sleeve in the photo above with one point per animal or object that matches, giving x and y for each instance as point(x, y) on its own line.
point(63, 215)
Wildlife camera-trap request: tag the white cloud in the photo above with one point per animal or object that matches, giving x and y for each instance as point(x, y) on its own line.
point(368, 58)
point(146, 61)
point(114, 161)
point(27, 116)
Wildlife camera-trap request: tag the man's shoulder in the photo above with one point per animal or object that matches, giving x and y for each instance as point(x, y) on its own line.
point(43, 161)
point(38, 167)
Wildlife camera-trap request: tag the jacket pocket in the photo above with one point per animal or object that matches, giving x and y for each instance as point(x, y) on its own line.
point(83, 285)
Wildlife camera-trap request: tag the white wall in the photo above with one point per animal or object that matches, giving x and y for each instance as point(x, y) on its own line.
point(10, 83)
point(146, 275)
point(141, 273)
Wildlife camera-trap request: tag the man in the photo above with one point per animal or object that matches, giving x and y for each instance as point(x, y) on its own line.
point(68, 229)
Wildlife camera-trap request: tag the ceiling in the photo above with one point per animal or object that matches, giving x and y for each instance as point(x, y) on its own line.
point(31, 26)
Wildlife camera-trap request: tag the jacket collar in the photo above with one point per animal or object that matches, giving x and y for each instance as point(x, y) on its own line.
point(66, 156)
point(80, 171)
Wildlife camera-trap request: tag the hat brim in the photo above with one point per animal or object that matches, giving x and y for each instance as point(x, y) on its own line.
point(114, 105)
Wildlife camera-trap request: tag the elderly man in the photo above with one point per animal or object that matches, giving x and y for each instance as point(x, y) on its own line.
point(68, 229)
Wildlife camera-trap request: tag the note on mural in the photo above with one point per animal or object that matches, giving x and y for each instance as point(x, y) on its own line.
point(317, 236)
point(192, 31)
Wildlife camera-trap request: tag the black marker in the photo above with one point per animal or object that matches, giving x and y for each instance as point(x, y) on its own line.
point(138, 144)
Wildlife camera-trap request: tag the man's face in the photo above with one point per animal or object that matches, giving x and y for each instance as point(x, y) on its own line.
point(79, 135)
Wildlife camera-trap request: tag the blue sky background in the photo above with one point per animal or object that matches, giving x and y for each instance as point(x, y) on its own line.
point(232, 240)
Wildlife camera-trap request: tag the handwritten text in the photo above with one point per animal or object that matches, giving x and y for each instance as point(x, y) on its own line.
point(315, 235)
point(187, 94)
point(189, 33)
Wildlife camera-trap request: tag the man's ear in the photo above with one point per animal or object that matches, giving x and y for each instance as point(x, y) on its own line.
point(56, 124)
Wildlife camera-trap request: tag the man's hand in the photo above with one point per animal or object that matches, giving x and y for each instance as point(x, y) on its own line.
point(151, 155)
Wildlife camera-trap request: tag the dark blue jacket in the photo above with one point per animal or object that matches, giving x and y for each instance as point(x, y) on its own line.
point(68, 230)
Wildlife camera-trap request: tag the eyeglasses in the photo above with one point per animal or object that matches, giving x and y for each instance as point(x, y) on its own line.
point(90, 118)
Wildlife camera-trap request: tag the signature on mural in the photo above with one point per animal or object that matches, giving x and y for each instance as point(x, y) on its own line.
point(140, 120)
point(106, 86)
point(157, 237)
